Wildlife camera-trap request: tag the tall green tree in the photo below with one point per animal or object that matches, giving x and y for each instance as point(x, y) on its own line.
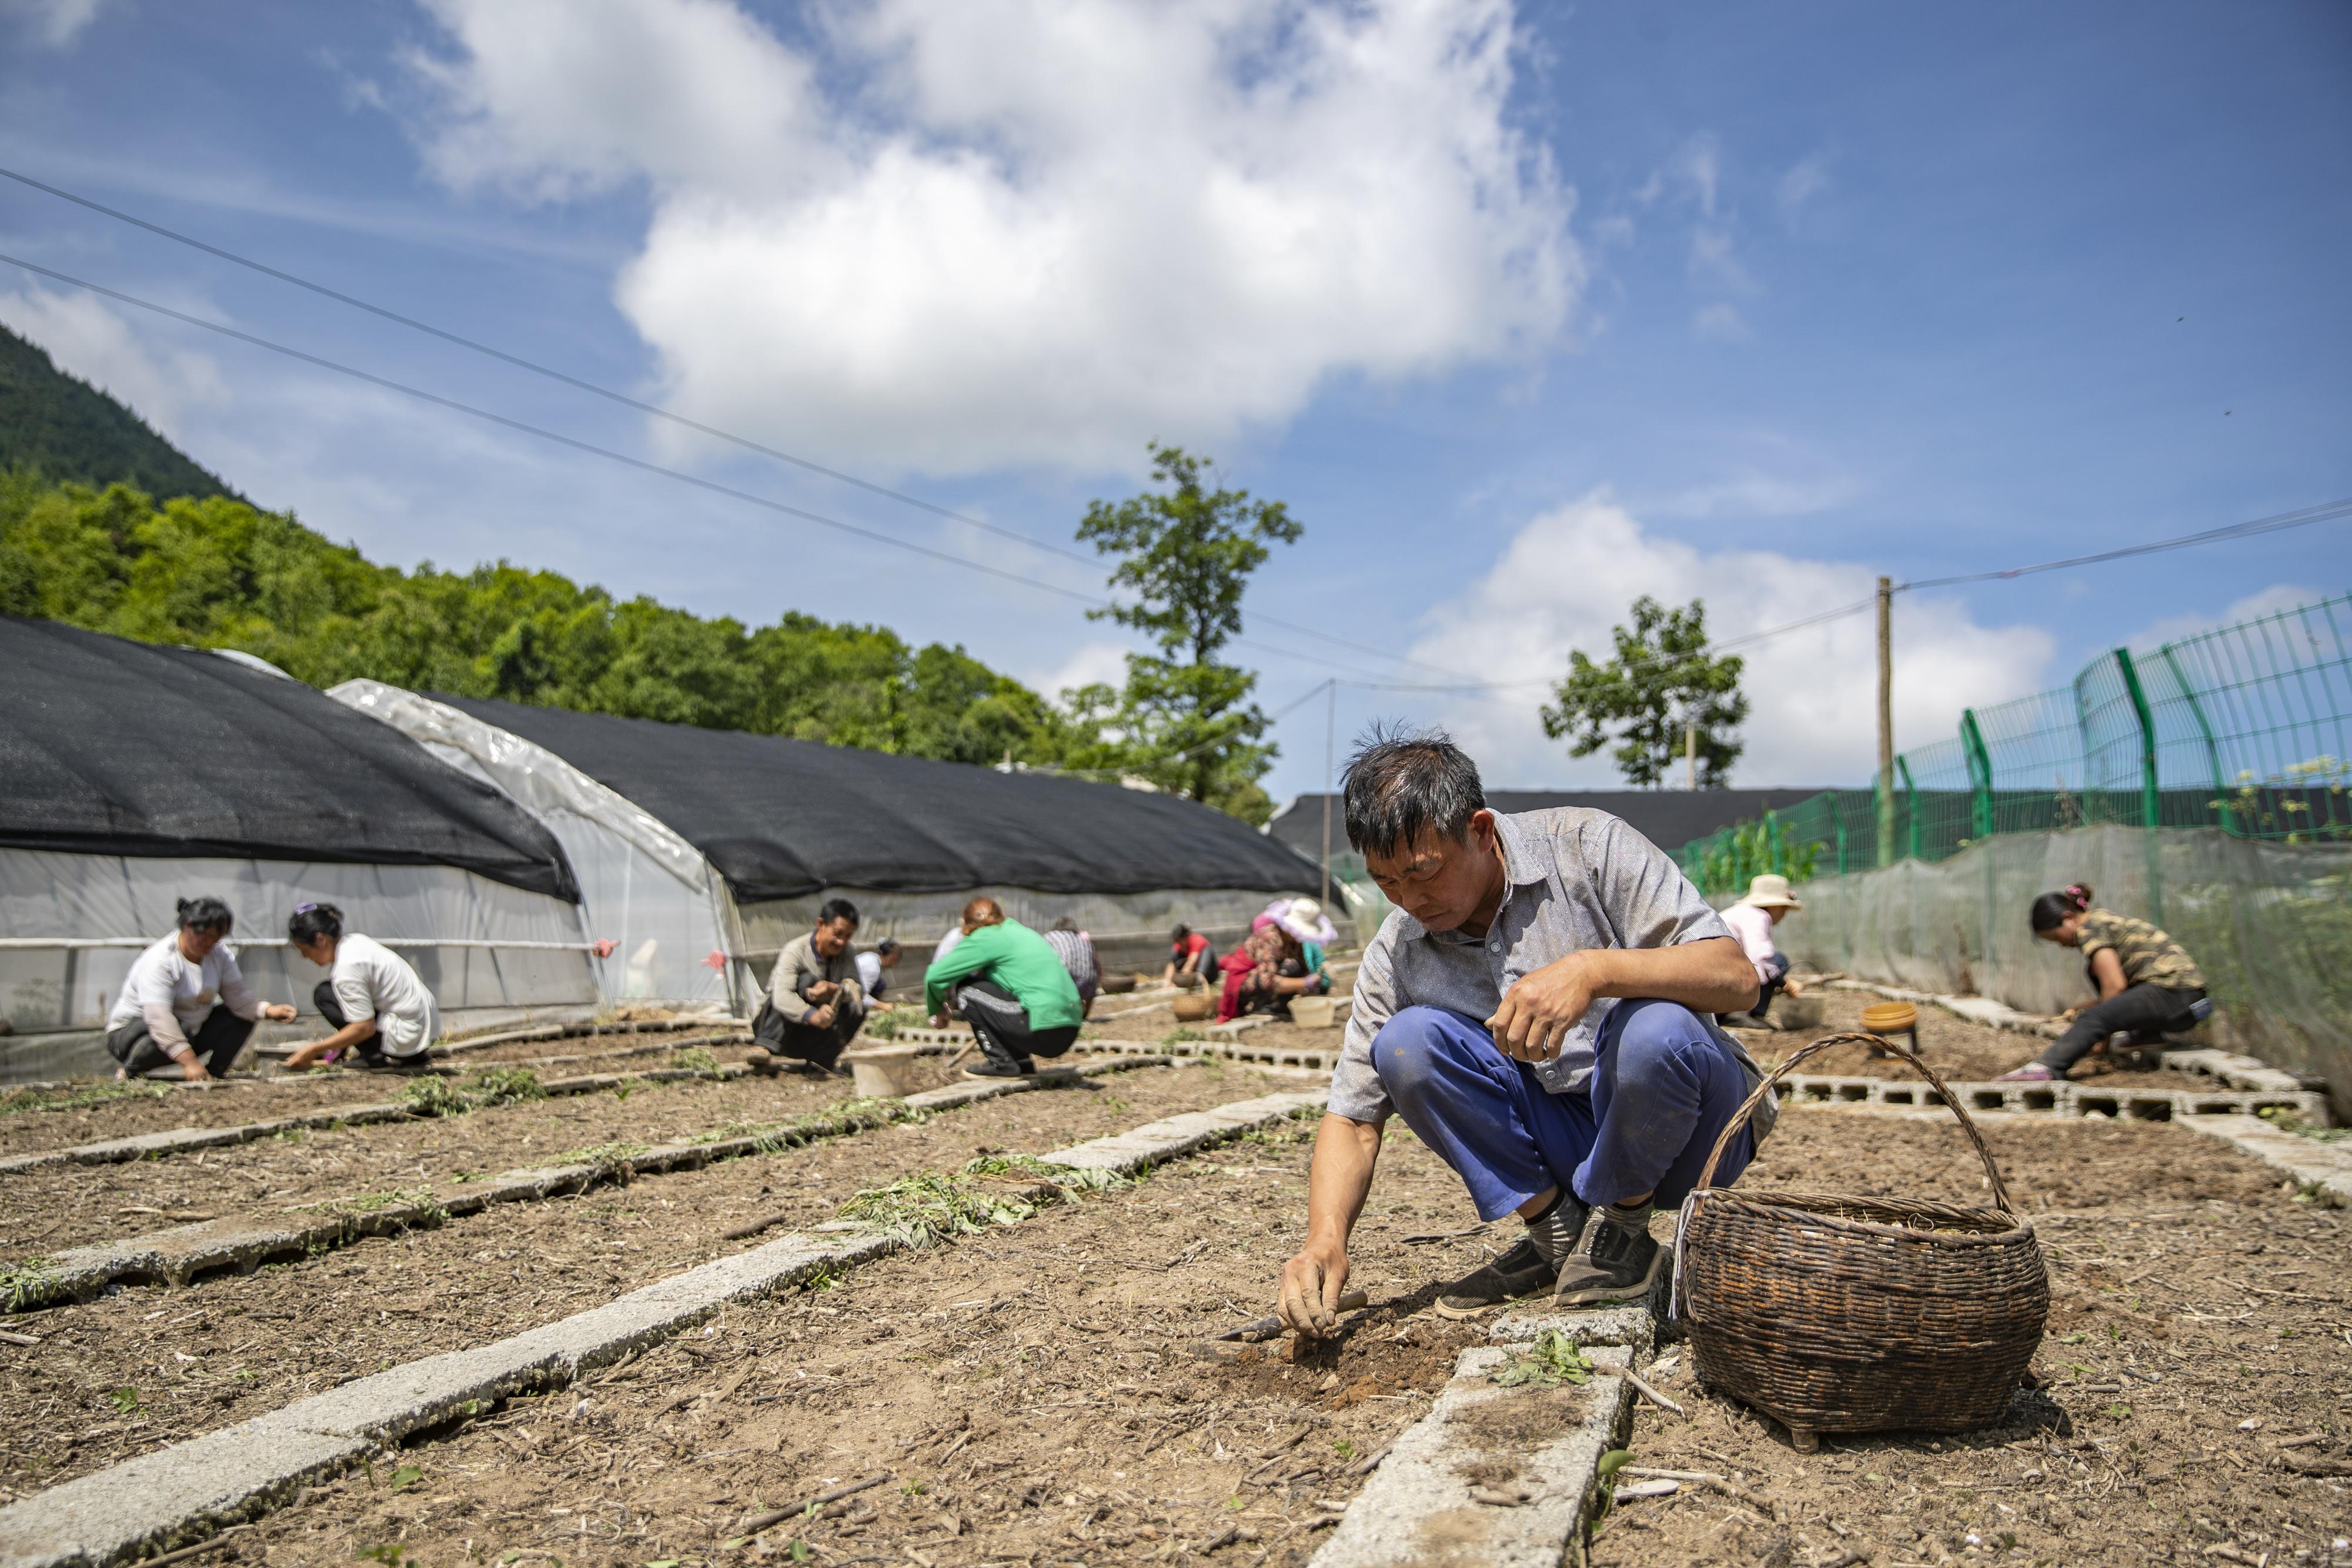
point(1661, 682)
point(213, 572)
point(1185, 553)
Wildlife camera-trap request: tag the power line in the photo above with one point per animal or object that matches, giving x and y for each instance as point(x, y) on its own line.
point(2324, 512)
point(655, 410)
point(622, 457)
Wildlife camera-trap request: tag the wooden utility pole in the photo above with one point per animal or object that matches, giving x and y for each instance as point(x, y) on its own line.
point(1885, 721)
point(1690, 754)
point(1330, 723)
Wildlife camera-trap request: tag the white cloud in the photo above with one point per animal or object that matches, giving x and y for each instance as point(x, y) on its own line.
point(1571, 574)
point(57, 23)
point(1803, 182)
point(1719, 323)
point(85, 337)
point(1087, 664)
point(2270, 600)
point(1017, 231)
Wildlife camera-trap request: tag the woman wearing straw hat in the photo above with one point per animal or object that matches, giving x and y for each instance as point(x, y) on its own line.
point(1751, 920)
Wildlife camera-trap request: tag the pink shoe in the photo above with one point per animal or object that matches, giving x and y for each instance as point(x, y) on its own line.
point(2032, 1072)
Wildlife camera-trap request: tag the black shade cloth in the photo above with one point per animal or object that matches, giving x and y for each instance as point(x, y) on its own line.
point(110, 747)
point(781, 819)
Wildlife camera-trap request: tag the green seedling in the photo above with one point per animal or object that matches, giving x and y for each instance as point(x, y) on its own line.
point(1236, 1503)
point(1182, 1037)
point(1554, 1358)
point(1345, 1449)
point(406, 1476)
point(395, 1554)
point(799, 1552)
point(1606, 1469)
point(126, 1399)
point(2119, 1411)
point(913, 1488)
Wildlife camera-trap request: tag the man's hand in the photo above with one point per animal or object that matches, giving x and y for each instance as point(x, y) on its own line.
point(1792, 989)
point(278, 1012)
point(820, 1018)
point(192, 1069)
point(938, 1020)
point(1311, 1286)
point(823, 991)
point(1542, 1007)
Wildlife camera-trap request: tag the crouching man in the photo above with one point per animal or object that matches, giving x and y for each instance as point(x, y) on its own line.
point(814, 1005)
point(1537, 1010)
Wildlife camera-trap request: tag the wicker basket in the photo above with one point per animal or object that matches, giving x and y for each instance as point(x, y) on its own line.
point(1860, 1314)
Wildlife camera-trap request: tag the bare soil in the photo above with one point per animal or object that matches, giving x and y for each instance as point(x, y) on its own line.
point(1961, 1050)
point(1034, 1395)
point(148, 1366)
point(2198, 1326)
point(34, 1121)
point(55, 1206)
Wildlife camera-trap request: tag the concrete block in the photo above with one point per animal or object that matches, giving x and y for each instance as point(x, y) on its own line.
point(1418, 1510)
point(1147, 1145)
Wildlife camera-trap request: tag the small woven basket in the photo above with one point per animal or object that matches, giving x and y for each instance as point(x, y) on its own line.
point(1860, 1314)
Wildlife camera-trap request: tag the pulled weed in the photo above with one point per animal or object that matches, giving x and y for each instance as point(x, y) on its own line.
point(78, 1096)
point(856, 1115)
point(696, 1059)
point(25, 1284)
point(1066, 1176)
point(924, 1210)
point(2286, 1120)
point(1553, 1359)
point(495, 1086)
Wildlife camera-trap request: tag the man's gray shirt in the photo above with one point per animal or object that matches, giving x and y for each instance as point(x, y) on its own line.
point(799, 967)
point(1576, 878)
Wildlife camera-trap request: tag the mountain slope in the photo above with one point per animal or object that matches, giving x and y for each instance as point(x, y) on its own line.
point(67, 429)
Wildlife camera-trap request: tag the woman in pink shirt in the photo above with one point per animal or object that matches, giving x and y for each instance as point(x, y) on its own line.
point(1751, 920)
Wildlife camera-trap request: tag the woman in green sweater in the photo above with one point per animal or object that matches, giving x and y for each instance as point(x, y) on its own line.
point(1009, 984)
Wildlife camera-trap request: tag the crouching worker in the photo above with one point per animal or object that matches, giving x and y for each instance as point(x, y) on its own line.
point(1534, 1008)
point(380, 1011)
point(186, 1000)
point(1009, 984)
point(815, 1003)
point(1750, 922)
point(2148, 986)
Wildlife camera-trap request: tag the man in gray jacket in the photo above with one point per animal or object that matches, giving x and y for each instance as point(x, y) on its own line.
point(1537, 1009)
point(815, 1006)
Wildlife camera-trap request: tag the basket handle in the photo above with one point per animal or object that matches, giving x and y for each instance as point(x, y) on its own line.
point(1740, 1118)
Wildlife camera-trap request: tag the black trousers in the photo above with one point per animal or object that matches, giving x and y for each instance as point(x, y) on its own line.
point(782, 1036)
point(1776, 972)
point(371, 1050)
point(1002, 1023)
point(216, 1042)
point(2148, 1012)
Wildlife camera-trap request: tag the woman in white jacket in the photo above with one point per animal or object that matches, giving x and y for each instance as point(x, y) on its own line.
point(186, 1002)
point(378, 1008)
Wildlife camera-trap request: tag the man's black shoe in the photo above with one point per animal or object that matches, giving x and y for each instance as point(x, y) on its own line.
point(991, 1067)
point(1522, 1272)
point(1612, 1262)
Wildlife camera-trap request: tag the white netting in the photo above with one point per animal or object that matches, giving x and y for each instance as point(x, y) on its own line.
point(2269, 922)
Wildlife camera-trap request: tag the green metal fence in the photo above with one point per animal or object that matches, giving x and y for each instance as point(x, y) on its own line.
point(2247, 728)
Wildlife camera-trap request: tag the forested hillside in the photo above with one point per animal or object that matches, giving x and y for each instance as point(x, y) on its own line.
point(67, 429)
point(215, 573)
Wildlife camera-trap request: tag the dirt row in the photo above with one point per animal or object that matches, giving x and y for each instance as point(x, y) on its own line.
point(1961, 1050)
point(52, 1208)
point(1032, 1394)
point(2196, 1381)
point(34, 1120)
point(148, 1366)
point(1039, 1395)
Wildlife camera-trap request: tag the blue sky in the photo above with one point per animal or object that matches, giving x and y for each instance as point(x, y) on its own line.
point(1524, 312)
